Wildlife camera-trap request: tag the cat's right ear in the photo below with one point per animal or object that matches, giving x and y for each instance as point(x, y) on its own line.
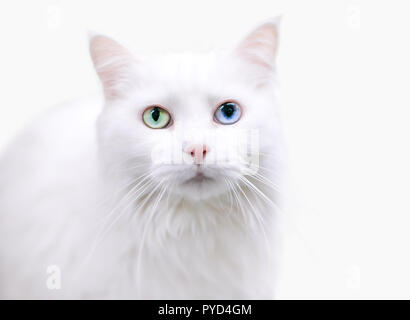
point(113, 64)
point(260, 46)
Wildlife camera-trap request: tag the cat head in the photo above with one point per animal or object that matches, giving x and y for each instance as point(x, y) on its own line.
point(195, 124)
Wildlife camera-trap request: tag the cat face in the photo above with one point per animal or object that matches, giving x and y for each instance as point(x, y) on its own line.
point(193, 124)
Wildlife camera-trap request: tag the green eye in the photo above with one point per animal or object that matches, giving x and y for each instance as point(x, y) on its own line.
point(156, 117)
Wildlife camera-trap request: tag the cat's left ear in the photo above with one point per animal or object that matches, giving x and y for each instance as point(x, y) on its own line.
point(260, 46)
point(113, 64)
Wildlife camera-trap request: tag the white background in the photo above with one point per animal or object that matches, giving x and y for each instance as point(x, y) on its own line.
point(345, 75)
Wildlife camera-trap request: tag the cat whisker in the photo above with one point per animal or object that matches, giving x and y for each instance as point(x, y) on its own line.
point(146, 225)
point(236, 197)
point(260, 221)
point(105, 229)
point(270, 170)
point(266, 181)
point(254, 211)
point(258, 191)
point(229, 194)
point(140, 180)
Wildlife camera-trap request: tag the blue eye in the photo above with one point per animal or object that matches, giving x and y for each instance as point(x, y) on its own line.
point(227, 113)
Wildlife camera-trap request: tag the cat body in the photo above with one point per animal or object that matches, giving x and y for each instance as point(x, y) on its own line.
point(89, 210)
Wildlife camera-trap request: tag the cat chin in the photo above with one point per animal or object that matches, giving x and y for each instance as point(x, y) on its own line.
point(199, 189)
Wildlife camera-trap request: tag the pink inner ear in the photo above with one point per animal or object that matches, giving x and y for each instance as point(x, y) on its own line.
point(110, 60)
point(260, 46)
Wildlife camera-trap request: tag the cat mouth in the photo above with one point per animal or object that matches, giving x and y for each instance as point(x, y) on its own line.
point(199, 177)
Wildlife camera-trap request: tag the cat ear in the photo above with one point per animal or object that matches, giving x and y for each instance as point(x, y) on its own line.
point(112, 63)
point(260, 45)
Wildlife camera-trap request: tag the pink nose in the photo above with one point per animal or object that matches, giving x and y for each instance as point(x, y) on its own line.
point(197, 152)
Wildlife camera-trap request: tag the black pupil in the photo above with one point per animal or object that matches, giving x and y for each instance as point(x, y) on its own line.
point(228, 109)
point(155, 113)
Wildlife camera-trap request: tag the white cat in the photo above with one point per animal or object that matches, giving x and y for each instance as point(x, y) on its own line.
point(143, 192)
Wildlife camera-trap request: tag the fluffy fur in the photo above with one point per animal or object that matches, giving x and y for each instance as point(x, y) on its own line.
point(79, 188)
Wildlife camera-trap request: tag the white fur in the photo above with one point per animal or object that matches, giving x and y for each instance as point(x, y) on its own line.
point(65, 184)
